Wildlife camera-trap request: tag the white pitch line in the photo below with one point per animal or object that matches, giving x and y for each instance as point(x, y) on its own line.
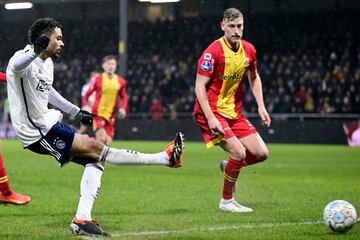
point(215, 228)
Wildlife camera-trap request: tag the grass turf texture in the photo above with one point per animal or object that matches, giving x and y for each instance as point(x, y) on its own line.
point(288, 194)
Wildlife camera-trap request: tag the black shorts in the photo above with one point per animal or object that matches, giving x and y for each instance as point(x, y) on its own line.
point(57, 142)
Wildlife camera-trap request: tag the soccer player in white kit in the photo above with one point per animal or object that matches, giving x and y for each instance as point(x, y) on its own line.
point(30, 78)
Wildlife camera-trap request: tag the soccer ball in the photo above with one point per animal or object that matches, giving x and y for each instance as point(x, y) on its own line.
point(339, 216)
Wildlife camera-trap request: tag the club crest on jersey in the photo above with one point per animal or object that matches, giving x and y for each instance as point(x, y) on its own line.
point(206, 66)
point(247, 62)
point(43, 86)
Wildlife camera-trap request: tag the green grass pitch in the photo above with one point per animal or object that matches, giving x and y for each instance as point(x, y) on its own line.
point(288, 193)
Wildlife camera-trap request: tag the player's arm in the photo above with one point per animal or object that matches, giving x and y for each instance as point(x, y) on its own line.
point(256, 88)
point(85, 98)
point(2, 77)
point(60, 102)
point(123, 101)
point(64, 105)
point(23, 60)
point(202, 97)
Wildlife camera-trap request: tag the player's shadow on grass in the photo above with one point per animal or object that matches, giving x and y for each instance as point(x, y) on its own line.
point(39, 213)
point(177, 211)
point(144, 213)
point(330, 234)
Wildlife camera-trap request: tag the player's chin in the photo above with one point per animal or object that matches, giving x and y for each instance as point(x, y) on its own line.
point(56, 55)
point(235, 40)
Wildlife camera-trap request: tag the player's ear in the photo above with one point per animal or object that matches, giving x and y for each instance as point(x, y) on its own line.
point(222, 25)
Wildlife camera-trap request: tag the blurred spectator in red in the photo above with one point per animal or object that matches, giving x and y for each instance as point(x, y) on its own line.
point(156, 109)
point(299, 98)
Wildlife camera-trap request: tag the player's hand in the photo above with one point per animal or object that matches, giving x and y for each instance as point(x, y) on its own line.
point(122, 113)
point(86, 108)
point(85, 117)
point(41, 43)
point(265, 118)
point(215, 126)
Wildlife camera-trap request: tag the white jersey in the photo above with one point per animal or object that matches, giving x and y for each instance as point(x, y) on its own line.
point(28, 93)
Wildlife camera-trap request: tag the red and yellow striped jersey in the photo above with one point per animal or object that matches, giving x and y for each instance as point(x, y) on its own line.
point(227, 70)
point(107, 91)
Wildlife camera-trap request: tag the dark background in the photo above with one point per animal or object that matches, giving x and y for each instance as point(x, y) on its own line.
point(308, 56)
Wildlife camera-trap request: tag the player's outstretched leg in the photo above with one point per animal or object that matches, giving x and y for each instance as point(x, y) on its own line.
point(88, 228)
point(90, 183)
point(171, 156)
point(15, 198)
point(175, 151)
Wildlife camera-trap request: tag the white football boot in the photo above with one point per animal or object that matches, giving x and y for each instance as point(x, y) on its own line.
point(233, 206)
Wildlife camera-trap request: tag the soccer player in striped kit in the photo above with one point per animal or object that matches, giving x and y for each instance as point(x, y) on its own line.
point(221, 71)
point(109, 88)
point(7, 195)
point(91, 98)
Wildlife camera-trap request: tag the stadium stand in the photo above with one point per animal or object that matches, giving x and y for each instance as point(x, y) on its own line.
point(309, 62)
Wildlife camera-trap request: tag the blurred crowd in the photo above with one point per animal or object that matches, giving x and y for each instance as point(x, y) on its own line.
point(309, 63)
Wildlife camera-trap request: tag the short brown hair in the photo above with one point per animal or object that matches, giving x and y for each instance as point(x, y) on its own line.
point(232, 13)
point(109, 57)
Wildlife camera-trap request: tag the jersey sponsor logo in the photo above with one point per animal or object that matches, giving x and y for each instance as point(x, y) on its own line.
point(236, 77)
point(43, 86)
point(206, 66)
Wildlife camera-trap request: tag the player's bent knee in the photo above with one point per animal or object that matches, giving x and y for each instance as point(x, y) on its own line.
point(95, 145)
point(238, 155)
point(101, 138)
point(263, 155)
point(90, 144)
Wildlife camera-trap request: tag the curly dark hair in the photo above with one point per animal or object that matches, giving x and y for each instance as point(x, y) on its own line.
point(42, 26)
